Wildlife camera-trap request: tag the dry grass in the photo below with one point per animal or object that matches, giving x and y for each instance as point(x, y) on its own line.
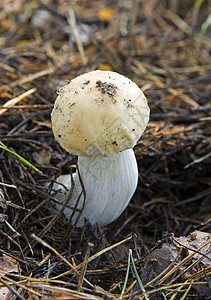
point(158, 45)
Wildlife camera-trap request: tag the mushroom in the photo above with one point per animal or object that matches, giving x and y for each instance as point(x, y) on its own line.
point(99, 116)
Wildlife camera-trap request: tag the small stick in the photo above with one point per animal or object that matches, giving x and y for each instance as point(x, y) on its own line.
point(73, 25)
point(59, 255)
point(29, 78)
point(13, 229)
point(91, 258)
point(15, 100)
point(84, 267)
point(18, 285)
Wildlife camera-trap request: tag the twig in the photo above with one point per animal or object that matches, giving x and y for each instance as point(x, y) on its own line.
point(85, 263)
point(29, 78)
point(73, 25)
point(39, 240)
point(12, 102)
point(19, 285)
point(96, 255)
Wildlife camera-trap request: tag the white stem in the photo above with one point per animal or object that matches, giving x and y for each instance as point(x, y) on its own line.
point(109, 183)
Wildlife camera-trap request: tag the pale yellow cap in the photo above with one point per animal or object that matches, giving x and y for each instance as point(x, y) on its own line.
point(99, 113)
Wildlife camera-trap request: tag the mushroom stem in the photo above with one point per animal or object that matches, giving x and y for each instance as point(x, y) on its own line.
point(108, 184)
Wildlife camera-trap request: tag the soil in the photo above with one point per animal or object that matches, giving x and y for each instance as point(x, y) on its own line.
point(163, 46)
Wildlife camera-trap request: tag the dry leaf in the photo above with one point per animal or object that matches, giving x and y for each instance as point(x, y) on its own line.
point(8, 265)
point(158, 261)
point(42, 157)
point(194, 241)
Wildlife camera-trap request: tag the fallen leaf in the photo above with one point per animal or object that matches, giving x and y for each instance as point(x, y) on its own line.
point(158, 261)
point(42, 157)
point(194, 241)
point(8, 265)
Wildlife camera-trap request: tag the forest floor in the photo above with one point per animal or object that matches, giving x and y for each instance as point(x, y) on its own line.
point(159, 248)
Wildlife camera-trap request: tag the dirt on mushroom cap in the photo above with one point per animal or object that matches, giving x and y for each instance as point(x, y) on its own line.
point(99, 113)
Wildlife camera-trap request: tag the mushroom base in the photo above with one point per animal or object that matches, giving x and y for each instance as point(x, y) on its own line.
point(108, 185)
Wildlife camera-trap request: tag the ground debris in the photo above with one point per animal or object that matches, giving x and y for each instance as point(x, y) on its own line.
point(194, 241)
point(160, 46)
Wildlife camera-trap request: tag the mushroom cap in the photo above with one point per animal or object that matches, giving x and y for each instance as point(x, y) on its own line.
point(99, 113)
